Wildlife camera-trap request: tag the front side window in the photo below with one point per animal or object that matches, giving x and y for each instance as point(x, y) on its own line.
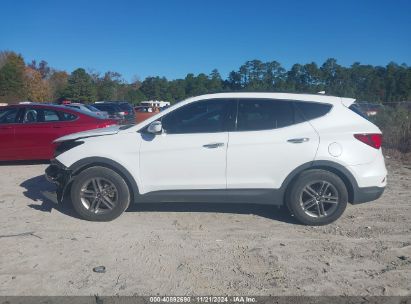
point(8, 115)
point(207, 116)
point(264, 114)
point(31, 116)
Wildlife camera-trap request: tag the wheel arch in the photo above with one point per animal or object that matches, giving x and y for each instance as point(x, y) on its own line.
point(339, 170)
point(89, 162)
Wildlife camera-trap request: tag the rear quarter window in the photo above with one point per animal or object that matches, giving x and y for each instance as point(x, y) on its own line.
point(356, 109)
point(312, 110)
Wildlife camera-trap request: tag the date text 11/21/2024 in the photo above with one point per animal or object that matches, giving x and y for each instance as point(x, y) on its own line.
point(202, 299)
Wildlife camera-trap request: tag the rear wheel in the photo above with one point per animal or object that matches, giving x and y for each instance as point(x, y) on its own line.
point(99, 194)
point(317, 197)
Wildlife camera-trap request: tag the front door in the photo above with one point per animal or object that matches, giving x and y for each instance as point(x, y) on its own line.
point(8, 122)
point(191, 152)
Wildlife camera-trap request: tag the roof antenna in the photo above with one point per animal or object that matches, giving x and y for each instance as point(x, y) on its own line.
point(321, 92)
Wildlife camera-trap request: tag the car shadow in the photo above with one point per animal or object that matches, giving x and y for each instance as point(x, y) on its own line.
point(23, 162)
point(39, 189)
point(44, 197)
point(266, 211)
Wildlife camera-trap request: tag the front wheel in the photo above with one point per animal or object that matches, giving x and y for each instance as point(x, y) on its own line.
point(99, 194)
point(317, 197)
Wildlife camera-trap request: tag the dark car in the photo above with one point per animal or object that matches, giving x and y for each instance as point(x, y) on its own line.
point(27, 131)
point(128, 109)
point(121, 111)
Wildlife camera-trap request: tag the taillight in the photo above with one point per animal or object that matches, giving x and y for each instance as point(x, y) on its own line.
point(372, 139)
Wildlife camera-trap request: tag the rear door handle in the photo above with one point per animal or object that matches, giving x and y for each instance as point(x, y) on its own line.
point(213, 145)
point(298, 140)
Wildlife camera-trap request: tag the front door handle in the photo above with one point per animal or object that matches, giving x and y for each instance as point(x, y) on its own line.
point(298, 140)
point(213, 145)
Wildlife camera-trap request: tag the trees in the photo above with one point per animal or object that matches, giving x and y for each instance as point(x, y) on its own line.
point(80, 87)
point(108, 86)
point(37, 88)
point(38, 82)
point(42, 68)
point(58, 82)
point(156, 88)
point(215, 83)
point(12, 85)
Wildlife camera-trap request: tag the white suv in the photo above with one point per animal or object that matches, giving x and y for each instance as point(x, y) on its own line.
point(311, 153)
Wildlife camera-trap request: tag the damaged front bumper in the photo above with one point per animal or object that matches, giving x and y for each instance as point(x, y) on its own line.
point(60, 175)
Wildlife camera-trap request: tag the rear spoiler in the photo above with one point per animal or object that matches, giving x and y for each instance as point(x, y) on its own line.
point(347, 101)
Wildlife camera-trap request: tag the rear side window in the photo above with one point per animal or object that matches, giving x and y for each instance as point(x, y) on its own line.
point(8, 115)
point(50, 116)
point(263, 114)
point(311, 110)
point(67, 116)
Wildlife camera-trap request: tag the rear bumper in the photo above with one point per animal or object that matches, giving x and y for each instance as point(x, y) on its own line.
point(367, 194)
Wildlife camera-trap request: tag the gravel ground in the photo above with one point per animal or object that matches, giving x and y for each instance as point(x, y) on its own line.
point(200, 249)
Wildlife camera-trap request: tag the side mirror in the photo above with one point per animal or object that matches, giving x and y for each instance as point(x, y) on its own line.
point(155, 127)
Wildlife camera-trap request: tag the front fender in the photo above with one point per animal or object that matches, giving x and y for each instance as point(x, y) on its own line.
point(88, 162)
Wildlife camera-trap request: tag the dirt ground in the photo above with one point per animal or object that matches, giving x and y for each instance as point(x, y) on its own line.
point(200, 249)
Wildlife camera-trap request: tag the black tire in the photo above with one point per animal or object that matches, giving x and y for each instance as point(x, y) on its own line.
point(112, 188)
point(329, 205)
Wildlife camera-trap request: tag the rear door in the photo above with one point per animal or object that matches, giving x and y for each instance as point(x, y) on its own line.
point(270, 141)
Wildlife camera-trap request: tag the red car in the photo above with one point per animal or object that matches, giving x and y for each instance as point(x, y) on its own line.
point(27, 131)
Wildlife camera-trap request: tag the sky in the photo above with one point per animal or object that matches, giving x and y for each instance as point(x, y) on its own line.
point(175, 37)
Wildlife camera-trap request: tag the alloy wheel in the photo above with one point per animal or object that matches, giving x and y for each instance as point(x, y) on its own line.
point(99, 195)
point(319, 199)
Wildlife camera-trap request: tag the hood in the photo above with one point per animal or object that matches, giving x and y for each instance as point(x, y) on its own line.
point(91, 133)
